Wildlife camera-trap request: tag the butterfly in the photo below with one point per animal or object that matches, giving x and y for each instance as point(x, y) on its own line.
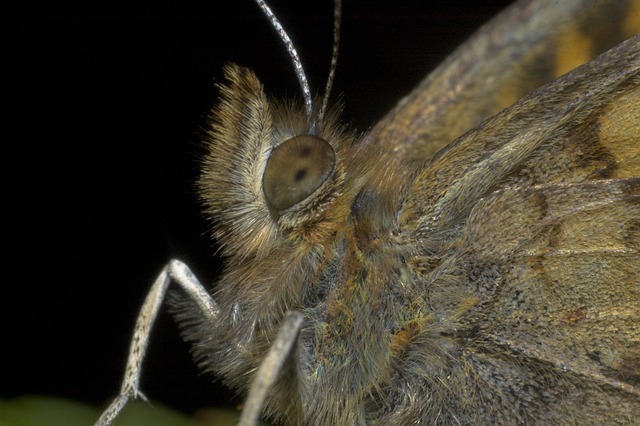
point(474, 258)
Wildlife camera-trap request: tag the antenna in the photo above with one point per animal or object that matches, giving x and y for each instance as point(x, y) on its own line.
point(337, 19)
point(302, 78)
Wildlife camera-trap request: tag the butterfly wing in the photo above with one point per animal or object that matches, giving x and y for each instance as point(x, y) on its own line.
point(571, 288)
point(524, 47)
point(585, 125)
point(531, 226)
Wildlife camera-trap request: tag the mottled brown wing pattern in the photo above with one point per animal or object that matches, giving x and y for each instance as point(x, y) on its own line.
point(526, 46)
point(577, 266)
point(529, 247)
point(549, 278)
point(582, 126)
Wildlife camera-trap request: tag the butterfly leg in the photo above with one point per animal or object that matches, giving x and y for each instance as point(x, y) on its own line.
point(180, 273)
point(270, 367)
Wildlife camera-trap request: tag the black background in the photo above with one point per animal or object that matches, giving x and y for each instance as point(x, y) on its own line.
point(103, 102)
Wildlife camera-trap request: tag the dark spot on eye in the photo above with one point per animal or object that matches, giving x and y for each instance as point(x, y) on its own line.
point(305, 151)
point(300, 174)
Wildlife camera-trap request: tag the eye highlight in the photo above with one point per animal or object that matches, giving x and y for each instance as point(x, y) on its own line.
point(296, 168)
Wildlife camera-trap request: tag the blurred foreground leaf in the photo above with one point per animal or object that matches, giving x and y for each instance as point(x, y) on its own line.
point(51, 411)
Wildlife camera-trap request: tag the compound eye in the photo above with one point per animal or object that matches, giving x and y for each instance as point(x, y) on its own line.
point(295, 169)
